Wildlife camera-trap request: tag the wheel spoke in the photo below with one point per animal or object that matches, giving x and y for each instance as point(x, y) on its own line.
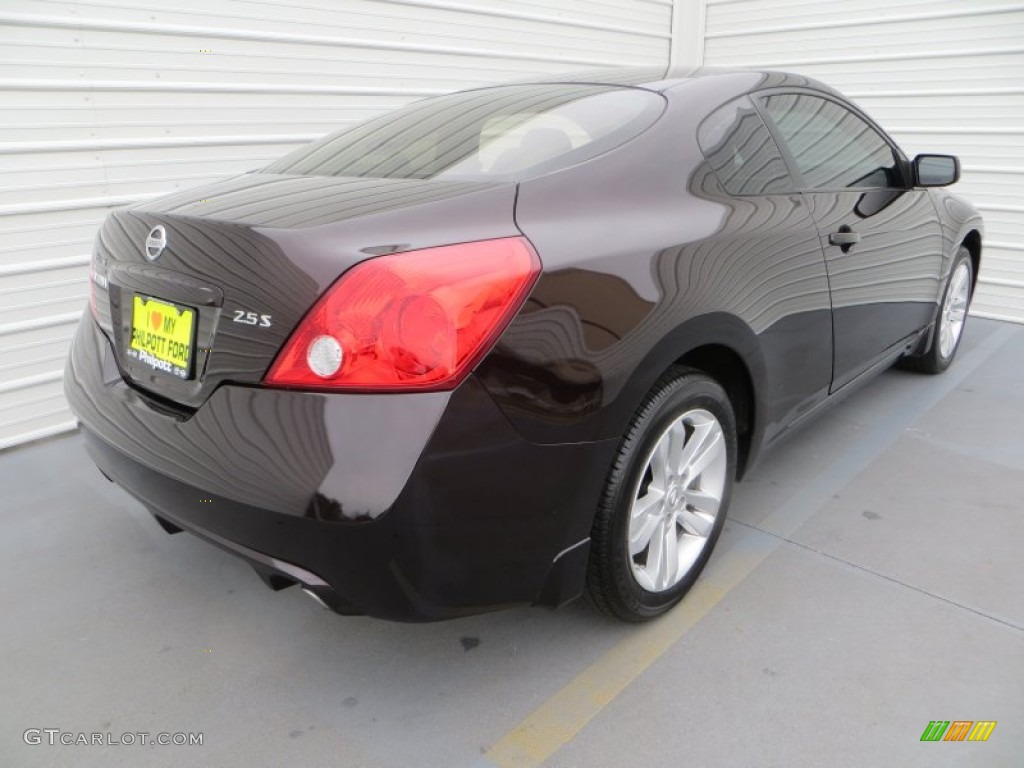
point(703, 501)
point(644, 520)
point(697, 522)
point(660, 468)
point(708, 452)
point(961, 282)
point(958, 308)
point(670, 555)
point(656, 557)
point(649, 502)
point(696, 443)
point(676, 446)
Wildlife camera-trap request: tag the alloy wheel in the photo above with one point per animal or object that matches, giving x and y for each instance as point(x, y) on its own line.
point(954, 310)
point(677, 500)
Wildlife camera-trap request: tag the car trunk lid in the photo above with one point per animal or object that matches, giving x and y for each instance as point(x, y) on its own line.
point(243, 260)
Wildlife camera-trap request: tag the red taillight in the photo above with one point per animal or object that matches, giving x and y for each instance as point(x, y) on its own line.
point(409, 321)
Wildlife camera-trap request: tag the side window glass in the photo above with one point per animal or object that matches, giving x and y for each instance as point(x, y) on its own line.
point(832, 147)
point(742, 152)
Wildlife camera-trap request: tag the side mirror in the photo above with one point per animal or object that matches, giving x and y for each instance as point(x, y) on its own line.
point(936, 170)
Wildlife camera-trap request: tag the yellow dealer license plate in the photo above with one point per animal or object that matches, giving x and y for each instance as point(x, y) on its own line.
point(162, 336)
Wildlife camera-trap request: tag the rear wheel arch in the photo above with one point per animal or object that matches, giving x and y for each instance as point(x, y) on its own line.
point(723, 347)
point(727, 367)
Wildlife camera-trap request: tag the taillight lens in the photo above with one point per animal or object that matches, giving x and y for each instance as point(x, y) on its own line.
point(409, 321)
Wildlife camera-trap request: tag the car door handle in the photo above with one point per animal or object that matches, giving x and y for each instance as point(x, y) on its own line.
point(844, 238)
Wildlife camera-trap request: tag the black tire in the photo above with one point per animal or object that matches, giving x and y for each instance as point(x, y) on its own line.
point(611, 583)
point(933, 360)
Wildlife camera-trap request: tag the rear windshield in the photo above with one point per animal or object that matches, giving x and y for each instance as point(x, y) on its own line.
point(508, 132)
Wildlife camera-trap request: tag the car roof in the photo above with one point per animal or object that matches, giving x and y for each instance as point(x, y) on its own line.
point(664, 78)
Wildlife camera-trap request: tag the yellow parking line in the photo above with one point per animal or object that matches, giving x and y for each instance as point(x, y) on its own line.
point(557, 721)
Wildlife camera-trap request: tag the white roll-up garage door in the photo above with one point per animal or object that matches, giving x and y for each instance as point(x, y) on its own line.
point(940, 75)
point(108, 103)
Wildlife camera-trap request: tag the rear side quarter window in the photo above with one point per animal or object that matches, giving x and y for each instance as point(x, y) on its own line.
point(741, 151)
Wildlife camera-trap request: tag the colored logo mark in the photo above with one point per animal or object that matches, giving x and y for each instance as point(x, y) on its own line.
point(958, 730)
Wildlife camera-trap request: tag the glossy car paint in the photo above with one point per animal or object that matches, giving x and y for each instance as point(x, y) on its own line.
point(431, 505)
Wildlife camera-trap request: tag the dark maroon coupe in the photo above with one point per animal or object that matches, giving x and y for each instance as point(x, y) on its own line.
point(516, 343)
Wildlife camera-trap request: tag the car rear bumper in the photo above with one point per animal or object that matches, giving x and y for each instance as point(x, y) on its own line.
point(408, 507)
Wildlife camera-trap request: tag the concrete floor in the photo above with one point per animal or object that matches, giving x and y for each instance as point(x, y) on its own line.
point(869, 581)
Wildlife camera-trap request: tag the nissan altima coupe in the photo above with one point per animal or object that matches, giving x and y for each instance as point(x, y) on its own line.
point(514, 344)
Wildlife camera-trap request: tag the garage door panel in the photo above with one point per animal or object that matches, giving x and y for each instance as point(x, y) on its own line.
point(33, 413)
point(977, 110)
point(41, 305)
point(1000, 259)
point(34, 353)
point(27, 232)
point(863, 74)
point(754, 15)
point(126, 176)
point(1000, 189)
point(936, 72)
point(1004, 226)
point(161, 118)
point(916, 35)
point(998, 302)
point(389, 22)
point(651, 15)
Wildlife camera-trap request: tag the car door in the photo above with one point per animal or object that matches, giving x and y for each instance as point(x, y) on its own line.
point(881, 237)
point(769, 259)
